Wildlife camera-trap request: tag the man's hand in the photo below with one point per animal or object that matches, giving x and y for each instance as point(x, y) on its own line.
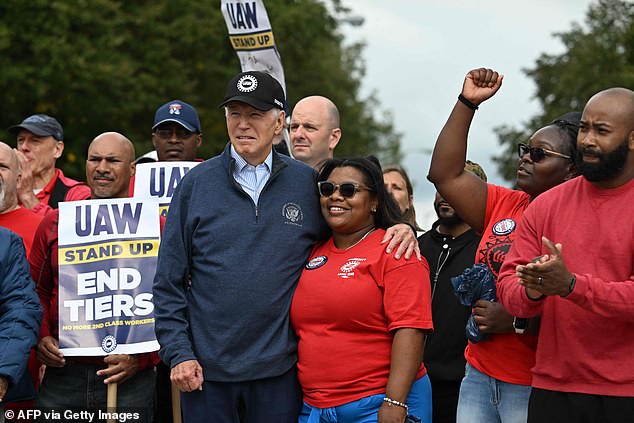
point(547, 275)
point(48, 352)
point(481, 84)
point(26, 197)
point(492, 317)
point(121, 367)
point(4, 385)
point(187, 376)
point(403, 236)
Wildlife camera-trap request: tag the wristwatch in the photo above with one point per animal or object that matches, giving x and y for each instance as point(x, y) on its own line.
point(520, 325)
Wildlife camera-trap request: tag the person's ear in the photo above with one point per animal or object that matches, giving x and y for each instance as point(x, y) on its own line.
point(59, 149)
point(279, 123)
point(335, 136)
point(572, 172)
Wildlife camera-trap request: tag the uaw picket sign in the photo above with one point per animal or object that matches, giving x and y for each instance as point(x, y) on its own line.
point(108, 251)
point(159, 180)
point(252, 37)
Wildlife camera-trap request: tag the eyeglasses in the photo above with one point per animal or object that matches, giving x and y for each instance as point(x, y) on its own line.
point(166, 133)
point(537, 154)
point(347, 189)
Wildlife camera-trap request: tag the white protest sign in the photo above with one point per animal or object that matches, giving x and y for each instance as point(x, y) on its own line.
point(159, 180)
point(107, 255)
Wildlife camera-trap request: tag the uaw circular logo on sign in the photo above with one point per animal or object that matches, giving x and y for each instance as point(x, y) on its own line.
point(316, 262)
point(293, 214)
point(247, 83)
point(504, 227)
point(109, 343)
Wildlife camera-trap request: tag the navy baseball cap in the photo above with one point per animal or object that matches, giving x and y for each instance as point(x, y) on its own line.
point(40, 125)
point(257, 89)
point(179, 112)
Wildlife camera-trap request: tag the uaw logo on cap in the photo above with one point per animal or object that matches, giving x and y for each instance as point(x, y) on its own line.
point(108, 343)
point(504, 227)
point(316, 262)
point(175, 109)
point(293, 214)
point(247, 83)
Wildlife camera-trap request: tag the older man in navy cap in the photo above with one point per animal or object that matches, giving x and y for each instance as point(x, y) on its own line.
point(40, 142)
point(238, 233)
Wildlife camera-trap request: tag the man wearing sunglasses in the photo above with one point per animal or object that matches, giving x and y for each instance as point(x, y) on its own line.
point(239, 231)
point(572, 261)
point(176, 136)
point(176, 133)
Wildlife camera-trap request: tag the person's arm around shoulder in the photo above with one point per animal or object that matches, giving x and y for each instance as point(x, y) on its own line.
point(403, 238)
point(464, 191)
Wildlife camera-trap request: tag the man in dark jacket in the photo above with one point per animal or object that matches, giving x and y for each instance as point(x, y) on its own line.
point(20, 316)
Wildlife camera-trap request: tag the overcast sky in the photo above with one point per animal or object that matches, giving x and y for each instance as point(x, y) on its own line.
point(418, 52)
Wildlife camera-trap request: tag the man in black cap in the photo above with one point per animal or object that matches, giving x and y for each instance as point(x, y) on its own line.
point(40, 142)
point(239, 231)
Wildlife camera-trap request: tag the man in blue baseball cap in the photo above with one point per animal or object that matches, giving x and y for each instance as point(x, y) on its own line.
point(176, 132)
point(40, 142)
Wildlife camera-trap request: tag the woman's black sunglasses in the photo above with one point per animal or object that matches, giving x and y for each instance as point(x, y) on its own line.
point(347, 189)
point(537, 154)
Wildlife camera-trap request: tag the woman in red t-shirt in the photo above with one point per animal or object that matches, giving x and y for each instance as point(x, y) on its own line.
point(497, 382)
point(360, 314)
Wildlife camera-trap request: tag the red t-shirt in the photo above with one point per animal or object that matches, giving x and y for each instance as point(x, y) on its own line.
point(23, 222)
point(344, 310)
point(508, 357)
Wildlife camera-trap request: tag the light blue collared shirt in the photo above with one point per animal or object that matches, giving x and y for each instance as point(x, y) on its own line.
point(251, 178)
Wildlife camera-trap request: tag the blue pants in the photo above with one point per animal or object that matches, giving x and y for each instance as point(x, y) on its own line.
point(77, 386)
point(365, 410)
point(272, 400)
point(486, 399)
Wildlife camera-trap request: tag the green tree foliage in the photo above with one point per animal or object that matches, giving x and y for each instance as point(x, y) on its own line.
point(598, 56)
point(106, 65)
